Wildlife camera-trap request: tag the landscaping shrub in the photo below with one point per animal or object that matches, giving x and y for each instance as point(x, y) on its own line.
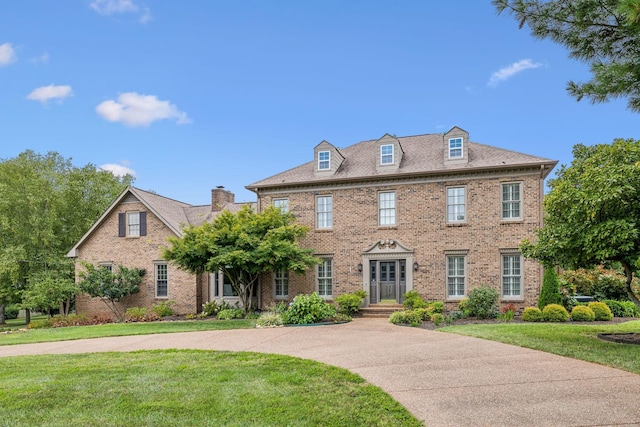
point(622, 308)
point(11, 311)
point(424, 313)
point(630, 309)
point(135, 314)
point(550, 292)
point(210, 308)
point(437, 319)
point(163, 308)
point(455, 315)
point(555, 313)
point(413, 300)
point(599, 282)
point(269, 320)
point(308, 309)
point(482, 303)
point(507, 313)
point(436, 307)
point(39, 324)
point(532, 314)
point(349, 304)
point(230, 313)
point(406, 317)
point(462, 304)
point(601, 310)
point(581, 313)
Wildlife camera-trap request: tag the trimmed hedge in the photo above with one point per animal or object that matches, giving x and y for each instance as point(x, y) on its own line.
point(580, 313)
point(555, 313)
point(601, 310)
point(532, 314)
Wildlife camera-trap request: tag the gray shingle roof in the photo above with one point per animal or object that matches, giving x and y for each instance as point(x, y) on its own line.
point(423, 154)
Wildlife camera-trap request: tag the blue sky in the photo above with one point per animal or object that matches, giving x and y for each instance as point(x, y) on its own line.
point(192, 95)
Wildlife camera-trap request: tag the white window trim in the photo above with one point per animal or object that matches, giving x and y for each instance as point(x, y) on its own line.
point(330, 212)
point(284, 202)
point(330, 260)
point(382, 156)
point(502, 201)
point(465, 277)
point(128, 225)
point(520, 296)
point(395, 210)
point(461, 148)
point(465, 205)
point(327, 160)
point(275, 285)
point(156, 264)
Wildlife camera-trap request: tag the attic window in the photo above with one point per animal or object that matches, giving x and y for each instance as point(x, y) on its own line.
point(455, 148)
point(386, 154)
point(324, 162)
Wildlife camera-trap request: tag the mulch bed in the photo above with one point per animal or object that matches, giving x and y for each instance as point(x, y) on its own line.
point(473, 321)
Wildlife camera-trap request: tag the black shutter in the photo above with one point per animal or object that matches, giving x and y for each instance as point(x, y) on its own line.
point(122, 224)
point(143, 223)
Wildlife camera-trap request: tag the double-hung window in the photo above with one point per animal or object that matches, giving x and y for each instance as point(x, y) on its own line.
point(281, 284)
point(324, 160)
point(387, 208)
point(511, 201)
point(324, 278)
point(386, 154)
point(455, 148)
point(456, 204)
point(133, 224)
point(162, 280)
point(282, 204)
point(511, 276)
point(456, 276)
point(324, 211)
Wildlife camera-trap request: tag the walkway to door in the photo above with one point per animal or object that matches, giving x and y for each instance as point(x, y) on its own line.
point(444, 379)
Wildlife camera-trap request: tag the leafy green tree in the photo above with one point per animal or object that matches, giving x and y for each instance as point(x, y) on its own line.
point(550, 292)
point(46, 205)
point(602, 33)
point(112, 287)
point(243, 245)
point(48, 291)
point(592, 211)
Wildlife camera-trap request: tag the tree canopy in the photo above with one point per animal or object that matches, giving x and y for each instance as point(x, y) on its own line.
point(46, 205)
point(243, 245)
point(592, 212)
point(602, 33)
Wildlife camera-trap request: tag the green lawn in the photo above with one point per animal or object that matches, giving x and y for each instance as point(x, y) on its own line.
point(189, 388)
point(120, 329)
point(576, 341)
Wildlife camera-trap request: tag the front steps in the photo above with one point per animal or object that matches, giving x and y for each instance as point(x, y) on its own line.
point(380, 310)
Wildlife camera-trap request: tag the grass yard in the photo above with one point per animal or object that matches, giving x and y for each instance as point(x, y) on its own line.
point(571, 340)
point(189, 388)
point(120, 329)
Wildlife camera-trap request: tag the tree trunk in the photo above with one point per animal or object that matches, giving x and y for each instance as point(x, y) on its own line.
point(27, 316)
point(3, 319)
point(629, 273)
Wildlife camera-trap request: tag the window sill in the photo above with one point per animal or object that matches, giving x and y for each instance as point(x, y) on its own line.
point(281, 298)
point(457, 224)
point(510, 300)
point(454, 299)
point(511, 221)
point(324, 230)
point(387, 227)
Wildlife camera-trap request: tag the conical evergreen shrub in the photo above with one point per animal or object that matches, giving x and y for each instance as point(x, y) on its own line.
point(550, 292)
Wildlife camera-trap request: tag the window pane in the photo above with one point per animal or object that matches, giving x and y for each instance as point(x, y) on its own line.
point(511, 275)
point(455, 276)
point(455, 147)
point(325, 280)
point(387, 208)
point(324, 212)
point(133, 223)
point(386, 154)
point(161, 280)
point(323, 160)
point(511, 200)
point(455, 204)
point(282, 204)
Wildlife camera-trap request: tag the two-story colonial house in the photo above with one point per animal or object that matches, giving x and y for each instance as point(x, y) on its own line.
point(436, 213)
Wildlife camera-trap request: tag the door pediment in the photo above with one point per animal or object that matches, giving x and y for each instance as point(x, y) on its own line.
point(387, 247)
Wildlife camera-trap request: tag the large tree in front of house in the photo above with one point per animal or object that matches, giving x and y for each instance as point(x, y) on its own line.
point(592, 212)
point(46, 205)
point(243, 245)
point(605, 34)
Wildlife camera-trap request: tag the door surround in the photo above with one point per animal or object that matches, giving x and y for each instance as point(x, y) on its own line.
point(386, 250)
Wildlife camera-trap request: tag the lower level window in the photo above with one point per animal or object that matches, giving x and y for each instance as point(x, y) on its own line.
point(282, 284)
point(162, 283)
point(455, 276)
point(511, 276)
point(227, 287)
point(325, 278)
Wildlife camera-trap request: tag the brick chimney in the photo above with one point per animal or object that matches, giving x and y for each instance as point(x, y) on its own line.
point(220, 196)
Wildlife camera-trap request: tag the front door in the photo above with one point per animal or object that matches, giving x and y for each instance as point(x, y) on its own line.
point(388, 282)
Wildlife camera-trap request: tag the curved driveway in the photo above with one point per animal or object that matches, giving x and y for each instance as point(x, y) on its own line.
point(444, 379)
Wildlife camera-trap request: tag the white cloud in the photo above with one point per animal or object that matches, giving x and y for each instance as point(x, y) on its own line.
point(118, 170)
point(134, 110)
point(109, 7)
point(44, 58)
point(45, 93)
point(511, 70)
point(7, 54)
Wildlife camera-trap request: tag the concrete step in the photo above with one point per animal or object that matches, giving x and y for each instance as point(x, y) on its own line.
point(380, 310)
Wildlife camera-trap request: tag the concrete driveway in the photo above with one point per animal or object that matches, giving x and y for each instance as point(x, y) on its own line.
point(444, 379)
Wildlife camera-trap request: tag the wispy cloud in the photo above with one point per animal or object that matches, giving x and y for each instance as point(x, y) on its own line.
point(118, 170)
point(7, 54)
point(43, 59)
point(511, 70)
point(112, 7)
point(133, 109)
point(45, 93)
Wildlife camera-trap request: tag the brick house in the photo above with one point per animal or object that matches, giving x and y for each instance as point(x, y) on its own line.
point(133, 231)
point(435, 213)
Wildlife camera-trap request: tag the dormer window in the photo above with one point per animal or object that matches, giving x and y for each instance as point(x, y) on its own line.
point(386, 154)
point(324, 160)
point(455, 148)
